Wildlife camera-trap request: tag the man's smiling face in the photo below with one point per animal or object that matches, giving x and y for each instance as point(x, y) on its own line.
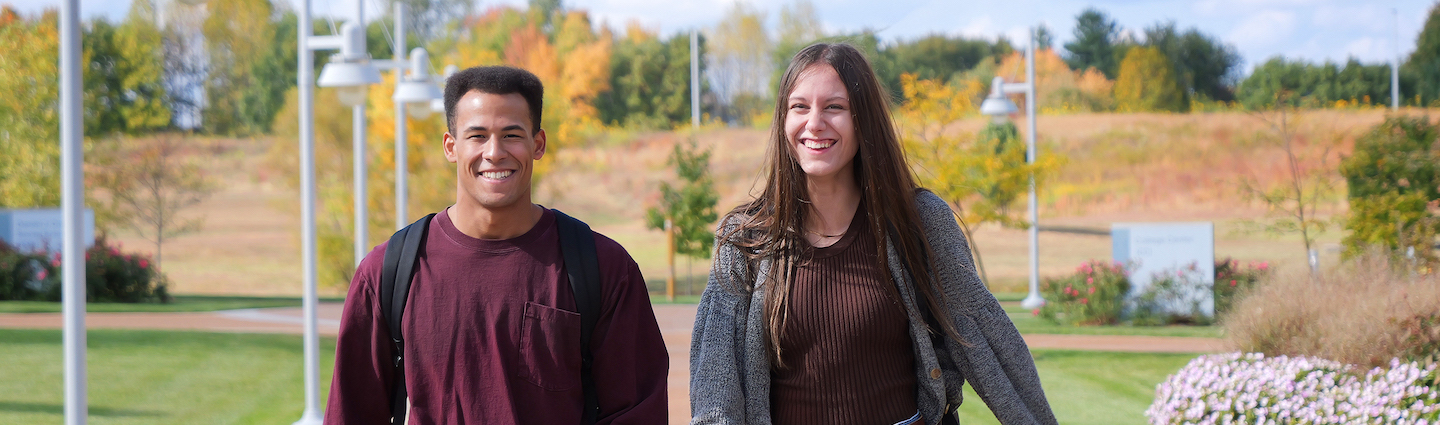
point(494, 146)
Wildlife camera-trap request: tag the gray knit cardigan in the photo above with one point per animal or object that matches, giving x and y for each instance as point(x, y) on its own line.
point(730, 368)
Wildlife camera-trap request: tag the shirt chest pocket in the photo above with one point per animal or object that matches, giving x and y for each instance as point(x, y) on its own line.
point(550, 347)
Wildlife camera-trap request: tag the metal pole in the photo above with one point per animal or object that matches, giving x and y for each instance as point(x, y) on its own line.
point(361, 218)
point(695, 79)
point(362, 243)
point(1033, 300)
point(72, 208)
point(305, 79)
point(401, 166)
point(1395, 66)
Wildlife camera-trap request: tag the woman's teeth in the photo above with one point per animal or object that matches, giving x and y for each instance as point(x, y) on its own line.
point(817, 145)
point(496, 175)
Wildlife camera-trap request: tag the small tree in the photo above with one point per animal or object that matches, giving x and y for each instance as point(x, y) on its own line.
point(1147, 83)
point(1307, 180)
point(145, 184)
point(1393, 180)
point(690, 208)
point(980, 177)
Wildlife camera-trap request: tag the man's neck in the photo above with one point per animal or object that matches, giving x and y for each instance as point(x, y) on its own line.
point(484, 223)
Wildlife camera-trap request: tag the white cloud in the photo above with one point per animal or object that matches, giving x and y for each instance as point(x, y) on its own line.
point(1263, 30)
point(1231, 6)
point(979, 27)
point(1368, 49)
point(1368, 17)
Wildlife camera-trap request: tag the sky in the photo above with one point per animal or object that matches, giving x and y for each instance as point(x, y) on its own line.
point(1312, 30)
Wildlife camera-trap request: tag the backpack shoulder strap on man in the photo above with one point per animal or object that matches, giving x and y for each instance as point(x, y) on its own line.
point(401, 254)
point(582, 265)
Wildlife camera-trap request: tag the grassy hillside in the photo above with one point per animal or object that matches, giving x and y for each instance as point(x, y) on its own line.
point(1118, 168)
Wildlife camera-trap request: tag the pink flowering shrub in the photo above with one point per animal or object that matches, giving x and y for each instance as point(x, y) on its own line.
point(1234, 279)
point(1094, 295)
point(110, 275)
point(1256, 389)
point(114, 276)
point(26, 275)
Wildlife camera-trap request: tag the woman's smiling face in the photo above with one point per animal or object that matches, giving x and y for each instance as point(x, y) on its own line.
point(820, 125)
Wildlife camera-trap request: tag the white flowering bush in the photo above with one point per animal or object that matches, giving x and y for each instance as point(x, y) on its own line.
point(1254, 389)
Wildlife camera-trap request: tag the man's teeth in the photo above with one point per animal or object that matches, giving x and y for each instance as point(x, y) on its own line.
point(497, 175)
point(817, 145)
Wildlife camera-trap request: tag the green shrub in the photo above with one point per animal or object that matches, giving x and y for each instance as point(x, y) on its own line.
point(110, 275)
point(1094, 295)
point(1393, 178)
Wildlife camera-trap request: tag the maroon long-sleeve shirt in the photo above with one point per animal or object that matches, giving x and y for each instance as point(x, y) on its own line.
point(492, 337)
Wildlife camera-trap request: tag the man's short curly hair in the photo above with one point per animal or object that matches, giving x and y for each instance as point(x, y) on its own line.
point(494, 80)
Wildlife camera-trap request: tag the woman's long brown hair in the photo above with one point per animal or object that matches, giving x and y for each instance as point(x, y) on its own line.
point(772, 226)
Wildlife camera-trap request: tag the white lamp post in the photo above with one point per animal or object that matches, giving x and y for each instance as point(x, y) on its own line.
point(1000, 106)
point(416, 91)
point(351, 71)
point(72, 206)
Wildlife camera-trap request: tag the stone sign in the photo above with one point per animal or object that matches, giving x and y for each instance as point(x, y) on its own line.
point(40, 229)
point(1182, 251)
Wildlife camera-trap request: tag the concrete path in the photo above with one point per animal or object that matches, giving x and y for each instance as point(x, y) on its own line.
point(676, 323)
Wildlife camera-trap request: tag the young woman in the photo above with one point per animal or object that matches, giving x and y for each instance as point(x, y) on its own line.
point(845, 294)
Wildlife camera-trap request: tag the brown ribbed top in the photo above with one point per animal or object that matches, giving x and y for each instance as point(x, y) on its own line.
point(846, 344)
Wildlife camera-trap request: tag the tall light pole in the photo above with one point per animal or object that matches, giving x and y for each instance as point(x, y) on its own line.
point(1395, 66)
point(417, 91)
point(1000, 106)
point(72, 209)
point(351, 72)
point(695, 80)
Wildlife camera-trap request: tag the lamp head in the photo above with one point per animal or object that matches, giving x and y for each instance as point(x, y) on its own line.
point(419, 63)
point(352, 96)
point(341, 72)
point(996, 104)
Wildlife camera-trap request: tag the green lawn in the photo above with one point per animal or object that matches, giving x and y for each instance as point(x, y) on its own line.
point(160, 377)
point(181, 303)
point(1086, 387)
point(1027, 323)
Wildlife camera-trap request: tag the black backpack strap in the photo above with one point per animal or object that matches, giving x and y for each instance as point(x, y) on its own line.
point(401, 254)
point(582, 265)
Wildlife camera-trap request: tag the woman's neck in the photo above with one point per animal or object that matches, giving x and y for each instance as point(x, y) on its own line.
point(833, 204)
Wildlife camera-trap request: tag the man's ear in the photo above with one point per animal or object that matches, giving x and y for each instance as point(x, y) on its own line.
point(539, 145)
point(449, 146)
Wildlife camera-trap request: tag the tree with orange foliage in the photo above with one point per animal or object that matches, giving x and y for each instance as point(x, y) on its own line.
point(1057, 87)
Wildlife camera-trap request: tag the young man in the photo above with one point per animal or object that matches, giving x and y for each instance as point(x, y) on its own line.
point(491, 333)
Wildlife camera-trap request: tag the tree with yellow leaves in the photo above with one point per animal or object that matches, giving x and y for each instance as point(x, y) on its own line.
point(1147, 83)
point(981, 177)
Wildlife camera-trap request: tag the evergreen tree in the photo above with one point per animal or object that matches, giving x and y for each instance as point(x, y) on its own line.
point(1203, 65)
point(1423, 67)
point(1043, 39)
point(1094, 45)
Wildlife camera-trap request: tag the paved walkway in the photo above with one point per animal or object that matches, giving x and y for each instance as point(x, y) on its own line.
point(676, 323)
